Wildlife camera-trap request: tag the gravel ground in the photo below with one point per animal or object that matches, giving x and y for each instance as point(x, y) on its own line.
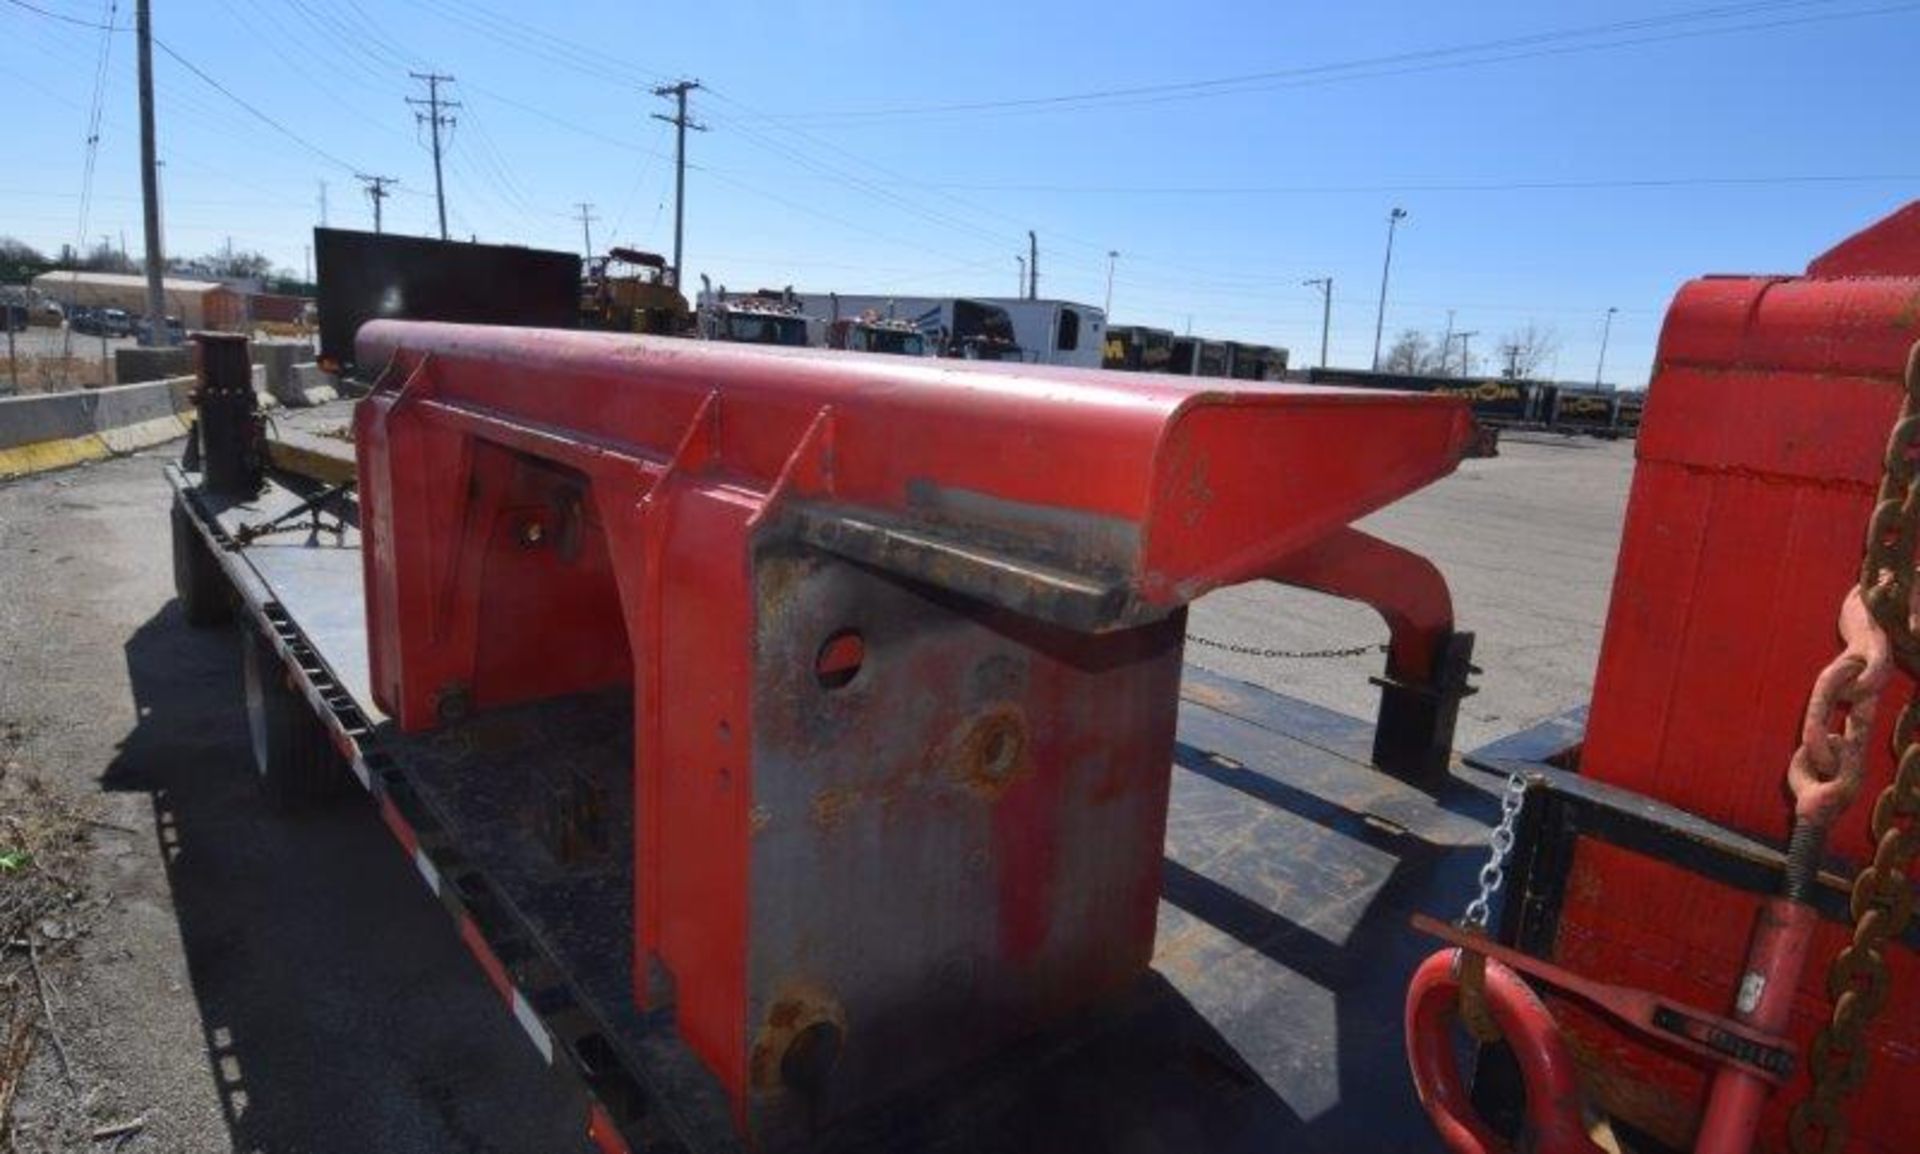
point(252, 984)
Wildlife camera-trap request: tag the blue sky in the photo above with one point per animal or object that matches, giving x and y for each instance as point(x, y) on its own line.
point(867, 146)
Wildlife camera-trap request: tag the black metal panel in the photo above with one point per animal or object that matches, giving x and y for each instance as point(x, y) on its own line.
point(363, 275)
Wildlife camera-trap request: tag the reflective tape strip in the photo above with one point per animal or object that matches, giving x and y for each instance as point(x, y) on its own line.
point(425, 865)
point(361, 771)
point(531, 1023)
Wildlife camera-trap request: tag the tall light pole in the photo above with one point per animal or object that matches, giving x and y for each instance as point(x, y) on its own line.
point(1466, 360)
point(1113, 255)
point(1020, 286)
point(1380, 319)
point(1325, 285)
point(1606, 331)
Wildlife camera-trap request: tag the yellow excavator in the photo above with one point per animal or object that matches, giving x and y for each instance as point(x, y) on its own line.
point(629, 291)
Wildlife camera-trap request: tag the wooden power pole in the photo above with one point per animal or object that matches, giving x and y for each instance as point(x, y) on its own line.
point(157, 333)
point(678, 94)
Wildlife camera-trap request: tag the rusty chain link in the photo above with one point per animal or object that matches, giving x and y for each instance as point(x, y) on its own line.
point(1883, 896)
point(1282, 654)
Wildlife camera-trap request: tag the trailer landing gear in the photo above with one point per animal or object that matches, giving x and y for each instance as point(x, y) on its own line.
point(293, 756)
point(197, 580)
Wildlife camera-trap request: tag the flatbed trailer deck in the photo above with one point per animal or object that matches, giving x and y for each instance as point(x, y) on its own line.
point(1271, 1018)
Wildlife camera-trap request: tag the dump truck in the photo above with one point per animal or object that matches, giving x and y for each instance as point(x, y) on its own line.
point(801, 741)
point(871, 333)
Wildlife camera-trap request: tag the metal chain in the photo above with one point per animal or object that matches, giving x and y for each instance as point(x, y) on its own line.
point(1493, 875)
point(1279, 654)
point(1883, 895)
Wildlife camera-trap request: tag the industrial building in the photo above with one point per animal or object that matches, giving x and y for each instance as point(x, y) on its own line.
point(199, 304)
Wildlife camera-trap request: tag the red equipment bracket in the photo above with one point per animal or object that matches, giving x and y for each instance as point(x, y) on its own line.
point(1428, 662)
point(904, 641)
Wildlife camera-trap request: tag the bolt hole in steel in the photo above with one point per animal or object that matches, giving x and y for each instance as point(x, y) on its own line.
point(810, 1059)
point(992, 751)
point(999, 750)
point(839, 660)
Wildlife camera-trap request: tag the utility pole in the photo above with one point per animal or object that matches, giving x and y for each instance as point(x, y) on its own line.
point(376, 192)
point(1020, 285)
point(1380, 319)
point(323, 204)
point(586, 225)
point(1113, 255)
point(1033, 266)
point(1466, 359)
point(306, 253)
point(1325, 285)
point(1599, 370)
point(677, 92)
point(435, 119)
point(150, 182)
point(1446, 345)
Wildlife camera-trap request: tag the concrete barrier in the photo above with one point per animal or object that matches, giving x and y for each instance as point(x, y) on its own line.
point(312, 385)
point(54, 430)
point(131, 366)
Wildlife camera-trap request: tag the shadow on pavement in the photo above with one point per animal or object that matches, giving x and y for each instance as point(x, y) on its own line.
point(339, 1010)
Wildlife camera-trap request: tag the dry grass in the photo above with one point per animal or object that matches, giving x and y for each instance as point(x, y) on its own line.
point(56, 374)
point(43, 909)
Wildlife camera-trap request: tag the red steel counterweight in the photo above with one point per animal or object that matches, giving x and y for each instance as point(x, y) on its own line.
point(904, 641)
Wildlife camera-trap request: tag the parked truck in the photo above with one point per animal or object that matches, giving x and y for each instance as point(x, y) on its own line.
point(629, 291)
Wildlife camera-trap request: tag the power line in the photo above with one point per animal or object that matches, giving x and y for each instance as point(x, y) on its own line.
point(269, 121)
point(1425, 59)
point(99, 26)
point(1515, 185)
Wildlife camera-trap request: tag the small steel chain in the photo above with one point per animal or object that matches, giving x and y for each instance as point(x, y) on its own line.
point(1282, 654)
point(1493, 875)
point(1883, 893)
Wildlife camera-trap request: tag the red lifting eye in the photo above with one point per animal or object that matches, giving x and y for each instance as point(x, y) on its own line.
point(839, 659)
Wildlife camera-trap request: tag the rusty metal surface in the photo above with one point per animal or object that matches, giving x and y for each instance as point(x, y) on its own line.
point(850, 875)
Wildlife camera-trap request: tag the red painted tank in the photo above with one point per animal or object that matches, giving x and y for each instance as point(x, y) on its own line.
point(1758, 460)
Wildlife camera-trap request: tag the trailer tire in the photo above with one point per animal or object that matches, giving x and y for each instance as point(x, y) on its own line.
point(292, 753)
point(197, 579)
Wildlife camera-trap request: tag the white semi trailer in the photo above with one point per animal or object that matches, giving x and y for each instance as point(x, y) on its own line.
point(1048, 332)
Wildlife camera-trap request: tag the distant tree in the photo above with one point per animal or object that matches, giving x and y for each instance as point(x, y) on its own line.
point(225, 263)
point(105, 257)
point(1413, 352)
point(1526, 350)
point(20, 261)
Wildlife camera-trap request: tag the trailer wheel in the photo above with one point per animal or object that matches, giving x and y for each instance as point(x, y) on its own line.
point(197, 579)
point(292, 752)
